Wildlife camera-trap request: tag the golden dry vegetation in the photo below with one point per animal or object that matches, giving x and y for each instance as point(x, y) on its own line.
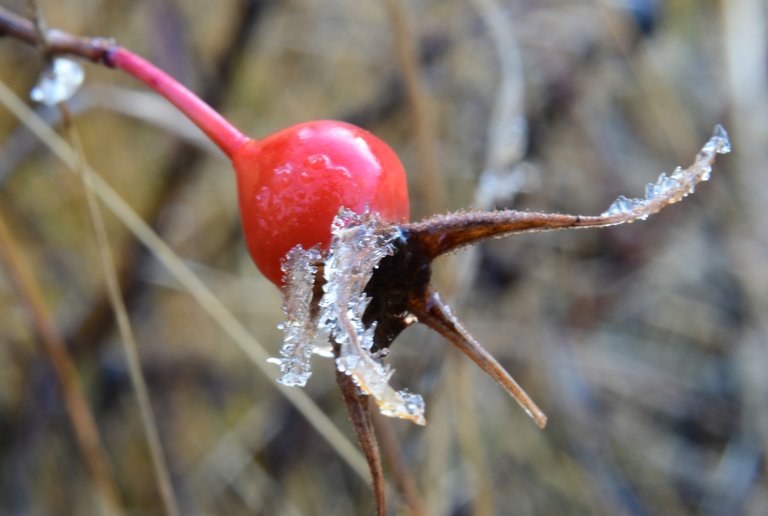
point(645, 344)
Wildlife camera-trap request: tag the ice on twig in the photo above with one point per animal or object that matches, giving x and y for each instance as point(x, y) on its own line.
point(673, 188)
point(58, 82)
point(359, 243)
point(303, 336)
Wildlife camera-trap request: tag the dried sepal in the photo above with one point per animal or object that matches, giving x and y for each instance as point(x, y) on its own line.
point(375, 279)
point(360, 415)
point(438, 316)
point(441, 234)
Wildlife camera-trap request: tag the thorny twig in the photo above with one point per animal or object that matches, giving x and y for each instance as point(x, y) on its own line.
point(374, 281)
point(380, 282)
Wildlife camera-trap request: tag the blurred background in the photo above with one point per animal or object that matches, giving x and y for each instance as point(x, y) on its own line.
point(645, 344)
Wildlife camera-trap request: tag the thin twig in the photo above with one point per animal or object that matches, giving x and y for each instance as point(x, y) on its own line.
point(36, 15)
point(57, 42)
point(404, 479)
point(123, 323)
point(360, 415)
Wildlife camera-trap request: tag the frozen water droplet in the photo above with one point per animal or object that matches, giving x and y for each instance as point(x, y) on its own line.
point(325, 350)
point(723, 143)
point(57, 84)
point(650, 191)
point(612, 210)
point(625, 203)
point(622, 206)
point(317, 161)
point(664, 184)
point(285, 168)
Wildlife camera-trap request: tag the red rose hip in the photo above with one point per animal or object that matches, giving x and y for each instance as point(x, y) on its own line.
point(291, 185)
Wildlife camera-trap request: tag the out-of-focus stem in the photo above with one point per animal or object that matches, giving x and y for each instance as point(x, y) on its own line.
point(123, 323)
point(360, 415)
point(430, 181)
point(85, 430)
point(404, 479)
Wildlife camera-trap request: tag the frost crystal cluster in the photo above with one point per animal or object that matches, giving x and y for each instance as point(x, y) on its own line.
point(359, 243)
point(59, 82)
point(670, 189)
point(303, 336)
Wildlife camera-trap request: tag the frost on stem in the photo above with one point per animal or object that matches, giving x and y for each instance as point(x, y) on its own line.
point(303, 336)
point(671, 189)
point(359, 243)
point(58, 82)
point(327, 294)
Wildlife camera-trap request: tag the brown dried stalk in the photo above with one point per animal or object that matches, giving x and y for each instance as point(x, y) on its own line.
point(86, 432)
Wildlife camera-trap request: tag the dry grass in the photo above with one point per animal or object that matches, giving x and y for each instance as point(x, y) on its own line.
point(644, 344)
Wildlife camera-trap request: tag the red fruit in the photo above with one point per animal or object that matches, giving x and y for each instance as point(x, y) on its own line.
point(292, 184)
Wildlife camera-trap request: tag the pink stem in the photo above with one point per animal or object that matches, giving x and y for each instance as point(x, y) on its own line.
point(216, 127)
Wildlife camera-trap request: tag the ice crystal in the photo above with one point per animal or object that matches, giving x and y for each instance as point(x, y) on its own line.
point(59, 82)
point(359, 243)
point(673, 188)
point(303, 335)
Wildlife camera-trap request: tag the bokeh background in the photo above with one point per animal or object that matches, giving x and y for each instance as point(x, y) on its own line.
point(646, 344)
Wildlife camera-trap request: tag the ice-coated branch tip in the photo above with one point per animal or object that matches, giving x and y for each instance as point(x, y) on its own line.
point(721, 140)
point(673, 188)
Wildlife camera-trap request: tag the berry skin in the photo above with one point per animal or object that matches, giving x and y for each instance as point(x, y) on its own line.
point(292, 183)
